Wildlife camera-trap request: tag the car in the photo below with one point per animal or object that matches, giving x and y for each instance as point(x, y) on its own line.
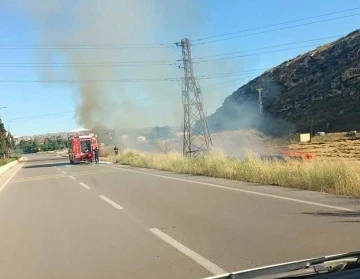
point(340, 266)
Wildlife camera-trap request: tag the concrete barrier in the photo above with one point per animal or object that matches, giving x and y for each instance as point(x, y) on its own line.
point(8, 166)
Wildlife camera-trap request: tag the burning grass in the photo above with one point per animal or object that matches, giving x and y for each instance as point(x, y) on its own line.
point(339, 177)
point(330, 147)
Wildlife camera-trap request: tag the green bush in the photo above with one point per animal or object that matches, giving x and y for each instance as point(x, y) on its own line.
point(6, 161)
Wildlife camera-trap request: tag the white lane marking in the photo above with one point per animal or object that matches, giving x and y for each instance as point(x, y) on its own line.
point(84, 185)
point(11, 177)
point(72, 177)
point(246, 191)
point(114, 204)
point(211, 267)
point(63, 172)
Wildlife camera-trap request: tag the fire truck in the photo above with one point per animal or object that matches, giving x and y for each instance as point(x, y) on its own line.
point(81, 148)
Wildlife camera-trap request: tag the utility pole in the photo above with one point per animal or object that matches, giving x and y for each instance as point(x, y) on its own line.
point(311, 127)
point(196, 138)
point(261, 108)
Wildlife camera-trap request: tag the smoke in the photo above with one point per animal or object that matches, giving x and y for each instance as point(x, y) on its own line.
point(114, 23)
point(241, 111)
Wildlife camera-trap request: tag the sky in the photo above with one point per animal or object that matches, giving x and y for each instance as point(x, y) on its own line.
point(29, 104)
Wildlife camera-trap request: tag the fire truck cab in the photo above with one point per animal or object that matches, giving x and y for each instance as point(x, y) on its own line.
point(81, 148)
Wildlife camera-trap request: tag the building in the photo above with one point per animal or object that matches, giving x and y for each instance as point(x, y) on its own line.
point(299, 137)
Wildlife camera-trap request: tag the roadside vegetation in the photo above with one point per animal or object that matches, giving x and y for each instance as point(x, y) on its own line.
point(49, 144)
point(336, 177)
point(9, 160)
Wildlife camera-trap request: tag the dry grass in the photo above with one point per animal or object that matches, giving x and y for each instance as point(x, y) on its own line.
point(332, 146)
point(106, 151)
point(338, 177)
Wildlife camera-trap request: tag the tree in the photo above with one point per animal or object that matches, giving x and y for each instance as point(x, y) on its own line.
point(11, 141)
point(55, 146)
point(35, 146)
point(3, 148)
point(3, 143)
point(46, 145)
point(22, 144)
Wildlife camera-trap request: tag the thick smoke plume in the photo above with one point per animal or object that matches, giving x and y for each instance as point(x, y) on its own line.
point(113, 24)
point(73, 32)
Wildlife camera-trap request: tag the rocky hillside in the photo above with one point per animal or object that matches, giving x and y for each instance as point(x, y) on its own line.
point(322, 86)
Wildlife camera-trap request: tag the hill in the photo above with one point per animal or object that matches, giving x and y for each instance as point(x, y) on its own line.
point(322, 86)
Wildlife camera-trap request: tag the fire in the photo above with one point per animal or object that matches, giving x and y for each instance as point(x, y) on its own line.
point(299, 155)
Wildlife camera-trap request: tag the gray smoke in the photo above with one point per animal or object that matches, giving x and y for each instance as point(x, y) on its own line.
point(114, 23)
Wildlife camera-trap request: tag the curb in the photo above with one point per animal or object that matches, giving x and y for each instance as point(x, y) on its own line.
point(5, 168)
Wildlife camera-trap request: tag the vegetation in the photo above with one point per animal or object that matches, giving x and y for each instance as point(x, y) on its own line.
point(29, 146)
point(7, 160)
point(6, 141)
point(33, 146)
point(338, 177)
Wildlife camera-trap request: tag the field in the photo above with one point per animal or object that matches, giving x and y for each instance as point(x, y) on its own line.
point(335, 167)
point(331, 146)
point(238, 143)
point(339, 177)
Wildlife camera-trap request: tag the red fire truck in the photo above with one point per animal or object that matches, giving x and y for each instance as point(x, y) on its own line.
point(81, 148)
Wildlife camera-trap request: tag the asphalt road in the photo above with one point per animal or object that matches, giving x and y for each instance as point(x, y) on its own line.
point(111, 221)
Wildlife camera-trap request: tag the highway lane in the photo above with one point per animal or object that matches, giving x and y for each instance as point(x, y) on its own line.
point(52, 227)
point(109, 221)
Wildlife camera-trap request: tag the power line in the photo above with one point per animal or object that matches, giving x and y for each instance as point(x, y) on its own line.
point(93, 63)
point(275, 29)
point(231, 74)
point(267, 47)
point(87, 46)
point(171, 44)
point(91, 80)
point(87, 64)
point(252, 54)
point(209, 86)
point(210, 76)
point(125, 80)
point(199, 60)
point(41, 116)
point(18, 47)
point(135, 100)
point(150, 63)
point(276, 24)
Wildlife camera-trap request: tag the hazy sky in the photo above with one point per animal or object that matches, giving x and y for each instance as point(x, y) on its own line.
point(137, 102)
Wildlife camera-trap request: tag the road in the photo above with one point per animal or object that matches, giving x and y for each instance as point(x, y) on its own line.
point(112, 221)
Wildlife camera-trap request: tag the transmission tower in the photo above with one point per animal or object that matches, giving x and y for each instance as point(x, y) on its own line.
point(197, 138)
point(261, 108)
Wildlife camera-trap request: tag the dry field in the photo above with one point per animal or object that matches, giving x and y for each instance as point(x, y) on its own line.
point(331, 147)
point(335, 168)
